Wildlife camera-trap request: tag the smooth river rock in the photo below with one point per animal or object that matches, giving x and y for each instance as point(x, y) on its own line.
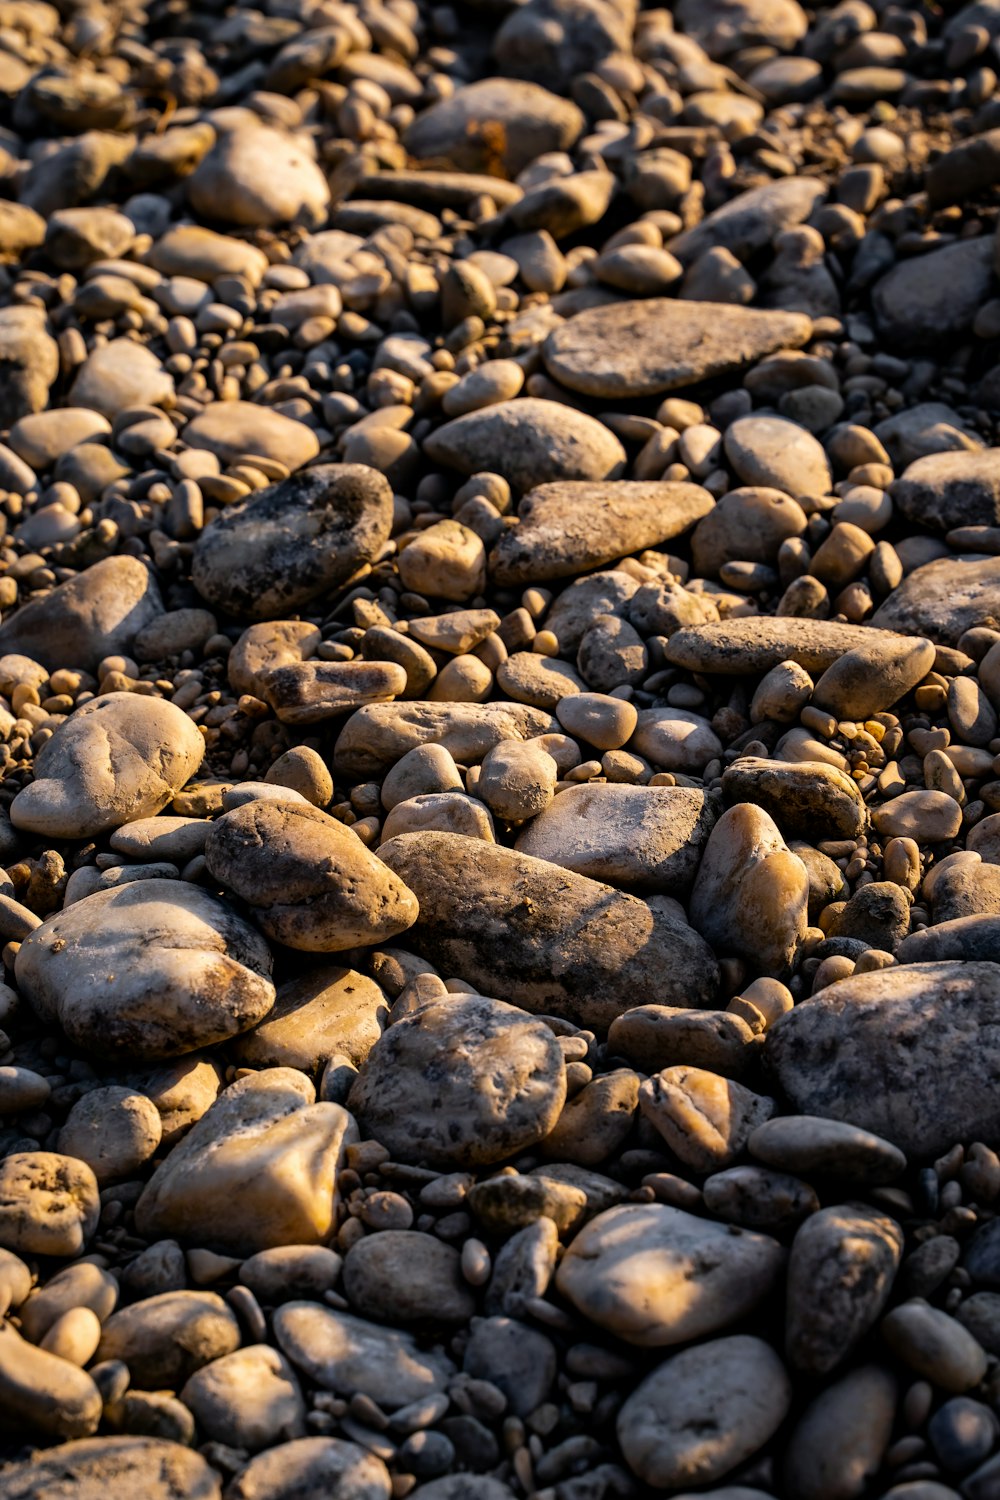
point(96, 614)
point(529, 442)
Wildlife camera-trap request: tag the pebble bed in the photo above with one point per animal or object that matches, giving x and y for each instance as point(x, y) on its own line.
point(499, 750)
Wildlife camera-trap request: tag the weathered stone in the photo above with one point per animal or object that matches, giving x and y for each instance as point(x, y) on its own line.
point(376, 737)
point(529, 442)
point(96, 614)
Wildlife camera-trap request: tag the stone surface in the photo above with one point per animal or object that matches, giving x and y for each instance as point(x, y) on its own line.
point(529, 442)
point(96, 614)
point(114, 1468)
point(543, 937)
point(755, 645)
point(496, 125)
point(944, 598)
point(349, 1356)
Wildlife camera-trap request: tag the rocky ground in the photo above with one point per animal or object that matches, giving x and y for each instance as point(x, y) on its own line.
point(500, 805)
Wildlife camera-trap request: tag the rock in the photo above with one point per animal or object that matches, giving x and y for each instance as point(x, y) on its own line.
point(317, 1468)
point(375, 738)
point(119, 375)
point(806, 798)
point(96, 614)
point(191, 250)
point(308, 692)
point(309, 880)
point(835, 1054)
point(21, 229)
point(838, 1444)
point(258, 177)
point(751, 220)
point(247, 1399)
point(29, 358)
point(757, 1199)
point(518, 780)
point(564, 528)
point(598, 719)
point(164, 1339)
point(944, 598)
point(661, 1036)
point(628, 349)
point(596, 1121)
point(841, 1269)
point(813, 1146)
point(114, 1468)
point(867, 680)
point(529, 442)
point(703, 1412)
point(267, 1150)
point(645, 838)
point(933, 817)
point(726, 26)
point(751, 894)
point(497, 125)
point(326, 1013)
point(447, 1052)
point(746, 525)
point(119, 757)
point(233, 430)
point(164, 838)
point(77, 237)
point(350, 1356)
point(934, 1346)
point(773, 452)
point(516, 1358)
point(298, 538)
point(654, 1275)
point(755, 644)
point(401, 1276)
point(49, 1204)
point(675, 740)
point(290, 1271)
point(946, 490)
point(934, 296)
point(445, 561)
point(704, 1119)
point(114, 1130)
point(186, 970)
point(546, 938)
point(542, 681)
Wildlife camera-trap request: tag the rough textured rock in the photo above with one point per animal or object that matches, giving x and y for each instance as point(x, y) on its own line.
point(496, 125)
point(94, 615)
point(114, 1468)
point(877, 1050)
point(374, 738)
point(641, 348)
point(296, 539)
point(944, 598)
point(756, 644)
point(543, 937)
point(945, 490)
point(350, 1356)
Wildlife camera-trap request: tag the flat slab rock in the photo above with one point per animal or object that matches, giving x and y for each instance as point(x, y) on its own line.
point(641, 348)
point(566, 528)
point(755, 644)
point(884, 1050)
point(944, 599)
point(545, 938)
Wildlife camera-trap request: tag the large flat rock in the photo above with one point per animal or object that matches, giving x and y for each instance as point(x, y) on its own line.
point(756, 643)
point(641, 348)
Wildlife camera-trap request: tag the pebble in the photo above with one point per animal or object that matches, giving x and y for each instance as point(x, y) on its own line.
point(49, 1204)
point(841, 1269)
point(313, 1467)
point(350, 1356)
point(529, 442)
point(165, 1338)
point(934, 1346)
point(95, 614)
point(248, 1399)
point(751, 894)
point(406, 1277)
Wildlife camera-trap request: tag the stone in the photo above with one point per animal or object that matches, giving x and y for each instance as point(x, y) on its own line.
point(653, 1037)
point(114, 1468)
point(726, 26)
point(867, 681)
point(443, 1055)
point(814, 1146)
point(704, 1119)
point(596, 1121)
point(248, 1399)
point(194, 251)
point(642, 838)
point(934, 1346)
point(778, 454)
point(544, 937)
point(834, 1054)
point(754, 644)
point(445, 561)
point(290, 1271)
point(529, 442)
point(293, 540)
point(309, 692)
point(187, 971)
point(258, 177)
point(841, 1269)
point(946, 490)
point(745, 525)
point(402, 1276)
point(654, 1275)
point(21, 229)
point(807, 798)
point(518, 1359)
point(935, 295)
point(268, 1150)
point(350, 1356)
point(119, 757)
point(48, 1395)
point(703, 1412)
point(165, 1338)
point(751, 894)
point(233, 430)
point(838, 1443)
point(933, 817)
point(376, 737)
point(629, 349)
point(309, 880)
point(564, 528)
point(496, 125)
point(121, 374)
point(316, 1468)
point(552, 43)
point(542, 681)
point(114, 1130)
point(163, 838)
point(675, 740)
point(944, 598)
point(755, 1198)
point(750, 220)
point(96, 614)
point(326, 1013)
point(49, 1204)
point(29, 360)
point(598, 719)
